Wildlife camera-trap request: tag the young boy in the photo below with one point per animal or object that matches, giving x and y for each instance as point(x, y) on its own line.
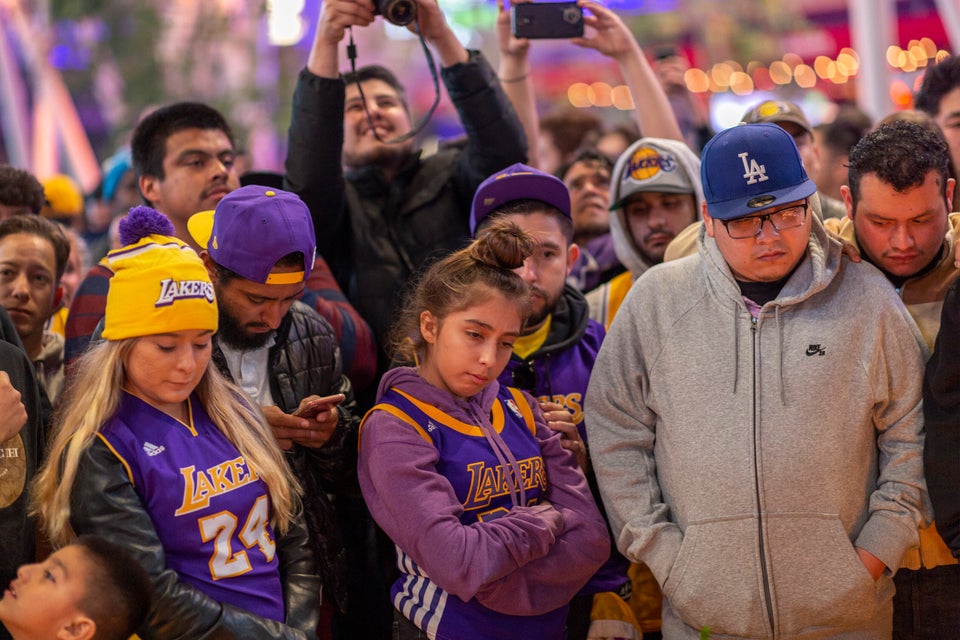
point(92, 589)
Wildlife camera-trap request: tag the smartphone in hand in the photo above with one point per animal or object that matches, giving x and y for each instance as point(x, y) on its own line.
point(311, 409)
point(547, 20)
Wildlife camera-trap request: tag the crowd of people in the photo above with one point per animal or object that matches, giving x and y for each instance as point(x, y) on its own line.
point(558, 380)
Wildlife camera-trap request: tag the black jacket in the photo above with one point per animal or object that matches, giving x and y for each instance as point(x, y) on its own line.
point(305, 360)
point(375, 234)
point(104, 502)
point(941, 414)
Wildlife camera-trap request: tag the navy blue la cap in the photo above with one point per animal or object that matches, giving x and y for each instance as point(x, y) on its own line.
point(517, 182)
point(751, 167)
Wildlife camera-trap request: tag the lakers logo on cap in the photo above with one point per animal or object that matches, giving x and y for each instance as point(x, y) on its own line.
point(771, 108)
point(646, 162)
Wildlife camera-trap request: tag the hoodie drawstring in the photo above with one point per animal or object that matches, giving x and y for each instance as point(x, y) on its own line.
point(518, 495)
point(736, 348)
point(783, 391)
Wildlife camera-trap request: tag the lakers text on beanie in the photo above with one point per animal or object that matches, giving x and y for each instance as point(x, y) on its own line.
point(159, 283)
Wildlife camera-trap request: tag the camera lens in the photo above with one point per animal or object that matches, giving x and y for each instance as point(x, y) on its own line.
point(399, 12)
point(571, 15)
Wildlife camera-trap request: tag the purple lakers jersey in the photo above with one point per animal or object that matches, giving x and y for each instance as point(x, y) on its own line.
point(210, 508)
point(479, 481)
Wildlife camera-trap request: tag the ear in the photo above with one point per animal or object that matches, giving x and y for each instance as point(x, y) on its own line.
point(57, 297)
point(429, 327)
point(948, 192)
point(847, 196)
point(573, 254)
point(209, 264)
point(150, 188)
point(80, 627)
point(707, 220)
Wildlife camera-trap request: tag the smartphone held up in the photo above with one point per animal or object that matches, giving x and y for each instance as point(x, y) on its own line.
point(547, 20)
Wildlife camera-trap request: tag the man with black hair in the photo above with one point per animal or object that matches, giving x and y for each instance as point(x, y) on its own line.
point(587, 178)
point(283, 354)
point(939, 95)
point(185, 158)
point(20, 192)
point(33, 256)
point(380, 209)
point(898, 199)
point(554, 355)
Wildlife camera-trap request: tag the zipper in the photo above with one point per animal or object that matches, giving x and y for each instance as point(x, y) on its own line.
point(768, 599)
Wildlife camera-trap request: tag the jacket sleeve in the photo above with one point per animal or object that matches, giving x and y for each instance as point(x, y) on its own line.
point(495, 137)
point(335, 463)
point(551, 581)
point(418, 509)
point(313, 168)
point(621, 431)
point(298, 574)
point(941, 412)
point(105, 503)
point(900, 503)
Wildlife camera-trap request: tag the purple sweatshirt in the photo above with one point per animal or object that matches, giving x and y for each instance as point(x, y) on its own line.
point(509, 576)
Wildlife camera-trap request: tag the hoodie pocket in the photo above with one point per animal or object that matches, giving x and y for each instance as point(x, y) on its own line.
point(716, 578)
point(816, 576)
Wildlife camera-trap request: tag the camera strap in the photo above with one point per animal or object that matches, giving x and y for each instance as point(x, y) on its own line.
point(352, 54)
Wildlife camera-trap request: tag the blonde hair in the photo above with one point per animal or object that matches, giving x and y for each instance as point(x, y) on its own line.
point(92, 398)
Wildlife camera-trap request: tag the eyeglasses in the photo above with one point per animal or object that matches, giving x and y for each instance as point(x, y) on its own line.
point(788, 218)
point(524, 376)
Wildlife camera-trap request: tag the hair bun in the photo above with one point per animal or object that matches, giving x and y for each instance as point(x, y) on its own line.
point(503, 245)
point(141, 222)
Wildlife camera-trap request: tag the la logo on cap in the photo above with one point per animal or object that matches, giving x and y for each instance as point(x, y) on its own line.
point(753, 170)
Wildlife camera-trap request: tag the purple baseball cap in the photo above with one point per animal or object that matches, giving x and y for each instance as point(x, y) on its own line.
point(517, 182)
point(750, 167)
point(252, 228)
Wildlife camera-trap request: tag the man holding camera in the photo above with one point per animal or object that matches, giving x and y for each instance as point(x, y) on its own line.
point(386, 210)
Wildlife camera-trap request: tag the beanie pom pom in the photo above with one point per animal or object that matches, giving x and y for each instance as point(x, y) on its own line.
point(143, 221)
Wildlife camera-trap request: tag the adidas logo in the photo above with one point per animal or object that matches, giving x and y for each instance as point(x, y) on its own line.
point(152, 449)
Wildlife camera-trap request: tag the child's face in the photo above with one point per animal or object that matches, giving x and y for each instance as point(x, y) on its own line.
point(470, 348)
point(43, 600)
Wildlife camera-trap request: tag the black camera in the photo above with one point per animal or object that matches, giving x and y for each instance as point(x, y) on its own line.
point(399, 12)
point(547, 20)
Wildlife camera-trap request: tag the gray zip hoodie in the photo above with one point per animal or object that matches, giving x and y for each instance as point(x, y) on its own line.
point(743, 460)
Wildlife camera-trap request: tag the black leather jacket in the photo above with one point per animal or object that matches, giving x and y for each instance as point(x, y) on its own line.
point(104, 502)
point(305, 360)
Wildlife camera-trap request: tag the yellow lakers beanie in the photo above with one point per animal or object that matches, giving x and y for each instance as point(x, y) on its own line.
point(159, 283)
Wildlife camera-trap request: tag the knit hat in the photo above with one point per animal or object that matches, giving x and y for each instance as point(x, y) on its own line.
point(159, 283)
point(517, 182)
point(751, 167)
point(652, 166)
point(252, 228)
point(777, 111)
